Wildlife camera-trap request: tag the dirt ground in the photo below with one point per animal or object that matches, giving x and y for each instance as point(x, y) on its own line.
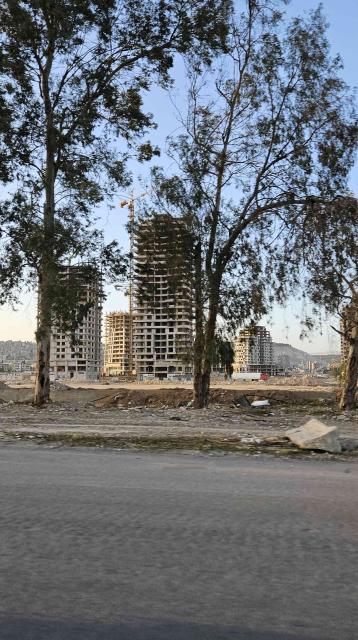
point(175, 394)
point(128, 423)
point(303, 382)
point(118, 415)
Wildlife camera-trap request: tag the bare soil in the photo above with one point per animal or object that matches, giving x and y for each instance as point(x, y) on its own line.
point(168, 395)
point(119, 425)
point(161, 416)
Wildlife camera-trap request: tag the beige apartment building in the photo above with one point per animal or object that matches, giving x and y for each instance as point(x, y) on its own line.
point(81, 359)
point(254, 351)
point(163, 300)
point(117, 344)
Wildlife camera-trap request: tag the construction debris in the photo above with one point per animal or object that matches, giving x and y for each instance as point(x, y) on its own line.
point(260, 403)
point(315, 435)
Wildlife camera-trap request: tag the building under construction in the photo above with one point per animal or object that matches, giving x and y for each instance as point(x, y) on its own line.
point(162, 299)
point(254, 351)
point(117, 345)
point(77, 353)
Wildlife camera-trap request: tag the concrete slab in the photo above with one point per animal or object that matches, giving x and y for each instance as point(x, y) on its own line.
point(316, 435)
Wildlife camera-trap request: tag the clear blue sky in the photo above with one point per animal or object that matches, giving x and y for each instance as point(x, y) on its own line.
point(342, 16)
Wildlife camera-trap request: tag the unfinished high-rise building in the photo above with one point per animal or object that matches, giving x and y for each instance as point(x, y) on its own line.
point(77, 354)
point(117, 344)
point(254, 351)
point(162, 299)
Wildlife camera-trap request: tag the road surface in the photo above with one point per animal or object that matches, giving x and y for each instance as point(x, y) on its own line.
point(113, 545)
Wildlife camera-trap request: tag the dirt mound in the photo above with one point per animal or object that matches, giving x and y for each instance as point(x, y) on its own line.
point(170, 398)
point(179, 397)
point(164, 398)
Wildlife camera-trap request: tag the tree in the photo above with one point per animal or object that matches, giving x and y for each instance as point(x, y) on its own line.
point(223, 355)
point(270, 130)
point(328, 251)
point(72, 75)
point(349, 332)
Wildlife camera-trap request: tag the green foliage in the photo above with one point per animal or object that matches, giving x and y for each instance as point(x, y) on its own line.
point(269, 139)
point(223, 354)
point(72, 75)
point(327, 249)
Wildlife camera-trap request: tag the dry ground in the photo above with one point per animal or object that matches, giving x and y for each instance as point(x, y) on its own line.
point(224, 427)
point(162, 414)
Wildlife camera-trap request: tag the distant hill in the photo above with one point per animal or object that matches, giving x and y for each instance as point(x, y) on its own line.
point(11, 350)
point(284, 353)
point(283, 350)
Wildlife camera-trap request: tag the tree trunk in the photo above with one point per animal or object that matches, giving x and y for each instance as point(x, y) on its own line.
point(349, 391)
point(199, 329)
point(198, 392)
point(47, 270)
point(43, 337)
point(204, 341)
point(202, 390)
point(44, 327)
point(209, 343)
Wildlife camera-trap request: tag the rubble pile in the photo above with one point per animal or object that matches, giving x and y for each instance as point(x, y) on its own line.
point(180, 397)
point(59, 386)
point(300, 381)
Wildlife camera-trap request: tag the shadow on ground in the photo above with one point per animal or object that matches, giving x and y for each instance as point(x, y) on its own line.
point(142, 629)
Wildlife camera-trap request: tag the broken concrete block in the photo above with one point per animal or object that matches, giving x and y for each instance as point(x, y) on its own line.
point(315, 435)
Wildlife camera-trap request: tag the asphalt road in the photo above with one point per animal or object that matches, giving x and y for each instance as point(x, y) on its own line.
point(114, 545)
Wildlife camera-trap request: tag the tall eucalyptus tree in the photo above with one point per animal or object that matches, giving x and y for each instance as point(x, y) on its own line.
point(270, 132)
point(72, 75)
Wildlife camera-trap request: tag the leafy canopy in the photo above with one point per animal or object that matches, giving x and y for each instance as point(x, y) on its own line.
point(72, 75)
point(270, 133)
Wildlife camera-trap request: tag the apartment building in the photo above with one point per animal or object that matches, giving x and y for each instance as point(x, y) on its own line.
point(163, 299)
point(254, 351)
point(117, 344)
point(79, 358)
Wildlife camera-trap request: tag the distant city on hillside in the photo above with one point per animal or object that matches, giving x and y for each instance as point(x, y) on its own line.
point(16, 357)
point(17, 350)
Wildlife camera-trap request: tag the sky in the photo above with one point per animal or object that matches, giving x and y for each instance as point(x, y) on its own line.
point(342, 16)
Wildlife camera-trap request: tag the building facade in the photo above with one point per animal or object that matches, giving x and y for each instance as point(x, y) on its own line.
point(254, 351)
point(162, 300)
point(77, 355)
point(117, 344)
point(312, 366)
